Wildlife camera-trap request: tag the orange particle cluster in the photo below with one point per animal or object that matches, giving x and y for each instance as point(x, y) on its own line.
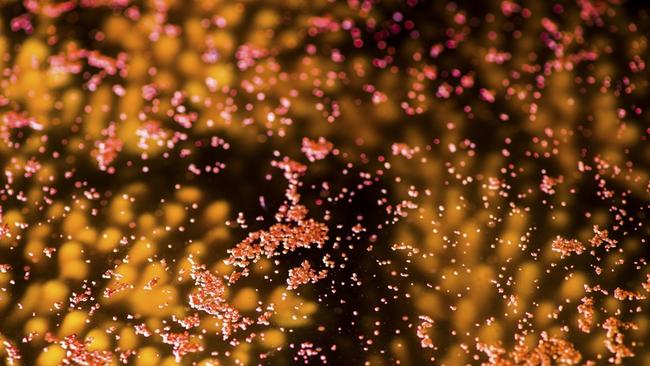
point(549, 350)
point(567, 246)
point(316, 149)
point(586, 311)
point(209, 298)
point(600, 237)
point(77, 353)
point(304, 274)
point(422, 332)
point(615, 339)
point(621, 294)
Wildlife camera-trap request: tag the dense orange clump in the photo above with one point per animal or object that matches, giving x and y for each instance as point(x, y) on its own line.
point(316, 149)
point(304, 274)
point(602, 236)
point(586, 311)
point(181, 344)
point(549, 350)
point(566, 247)
point(621, 294)
point(421, 332)
point(279, 238)
point(77, 353)
point(209, 297)
point(292, 231)
point(615, 339)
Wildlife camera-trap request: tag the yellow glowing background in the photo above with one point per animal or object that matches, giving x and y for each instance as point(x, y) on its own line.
point(223, 182)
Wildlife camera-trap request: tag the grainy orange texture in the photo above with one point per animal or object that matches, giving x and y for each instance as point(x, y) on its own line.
point(355, 182)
